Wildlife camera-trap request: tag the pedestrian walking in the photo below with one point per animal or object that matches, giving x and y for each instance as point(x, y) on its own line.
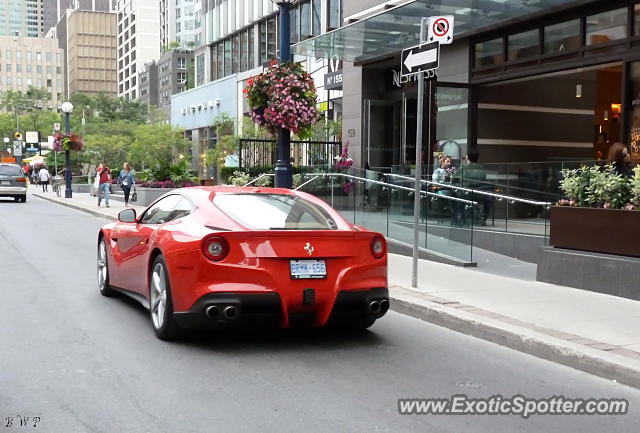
point(105, 184)
point(43, 174)
point(126, 180)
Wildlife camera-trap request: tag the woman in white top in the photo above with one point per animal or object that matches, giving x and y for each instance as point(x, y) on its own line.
point(44, 178)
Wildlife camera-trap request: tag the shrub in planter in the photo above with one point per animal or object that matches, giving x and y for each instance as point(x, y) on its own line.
point(598, 187)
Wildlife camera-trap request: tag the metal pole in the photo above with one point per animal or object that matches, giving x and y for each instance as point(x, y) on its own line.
point(416, 195)
point(283, 169)
point(67, 160)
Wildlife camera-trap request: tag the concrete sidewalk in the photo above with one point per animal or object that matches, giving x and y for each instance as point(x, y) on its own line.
point(589, 331)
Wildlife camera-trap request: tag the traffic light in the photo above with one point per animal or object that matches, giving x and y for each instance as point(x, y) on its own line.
point(18, 135)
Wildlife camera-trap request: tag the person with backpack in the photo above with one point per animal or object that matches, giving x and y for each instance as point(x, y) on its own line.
point(105, 185)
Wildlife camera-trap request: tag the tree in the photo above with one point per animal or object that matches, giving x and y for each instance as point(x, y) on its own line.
point(14, 102)
point(156, 146)
point(35, 100)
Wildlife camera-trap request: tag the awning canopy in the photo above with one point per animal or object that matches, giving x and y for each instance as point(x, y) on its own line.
point(397, 28)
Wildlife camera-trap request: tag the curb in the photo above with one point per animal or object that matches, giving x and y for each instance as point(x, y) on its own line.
point(600, 363)
point(76, 207)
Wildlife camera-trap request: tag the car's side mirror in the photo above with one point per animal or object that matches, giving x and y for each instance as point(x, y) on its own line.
point(127, 216)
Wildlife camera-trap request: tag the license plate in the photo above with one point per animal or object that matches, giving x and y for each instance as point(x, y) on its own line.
point(6, 182)
point(307, 269)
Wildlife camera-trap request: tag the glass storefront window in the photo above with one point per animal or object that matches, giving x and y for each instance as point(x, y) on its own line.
point(562, 37)
point(294, 29)
point(489, 53)
point(262, 41)
point(523, 45)
point(451, 129)
point(636, 20)
point(607, 26)
point(634, 115)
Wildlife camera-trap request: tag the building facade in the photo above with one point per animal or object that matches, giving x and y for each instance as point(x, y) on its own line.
point(138, 31)
point(178, 21)
point(36, 62)
point(149, 81)
point(536, 83)
point(55, 9)
point(173, 73)
point(89, 42)
point(22, 18)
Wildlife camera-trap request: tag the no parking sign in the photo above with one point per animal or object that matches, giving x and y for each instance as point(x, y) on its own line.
point(441, 29)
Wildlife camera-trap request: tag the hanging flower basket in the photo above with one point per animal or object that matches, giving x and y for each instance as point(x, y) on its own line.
point(284, 96)
point(69, 141)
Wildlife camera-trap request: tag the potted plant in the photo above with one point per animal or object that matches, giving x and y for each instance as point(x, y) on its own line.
point(598, 213)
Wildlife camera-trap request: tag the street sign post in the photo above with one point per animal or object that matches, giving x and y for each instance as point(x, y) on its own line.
point(17, 148)
point(421, 58)
point(441, 29)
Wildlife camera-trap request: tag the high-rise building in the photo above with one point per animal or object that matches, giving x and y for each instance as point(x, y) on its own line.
point(148, 78)
point(21, 18)
point(173, 76)
point(55, 9)
point(36, 62)
point(138, 36)
point(88, 39)
point(177, 24)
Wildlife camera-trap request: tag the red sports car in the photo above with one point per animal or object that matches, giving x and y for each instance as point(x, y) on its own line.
point(222, 256)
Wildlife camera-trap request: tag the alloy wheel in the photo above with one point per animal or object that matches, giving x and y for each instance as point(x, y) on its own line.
point(158, 295)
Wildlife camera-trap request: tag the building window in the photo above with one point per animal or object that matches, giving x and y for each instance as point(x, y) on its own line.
point(236, 58)
point(200, 69)
point(227, 57)
point(634, 115)
point(182, 63)
point(272, 35)
point(9, 67)
point(316, 12)
point(251, 57)
point(18, 67)
point(49, 57)
point(294, 28)
point(305, 21)
point(562, 37)
point(39, 69)
point(489, 53)
point(636, 20)
point(38, 56)
point(335, 14)
point(523, 45)
point(607, 26)
point(220, 62)
point(262, 41)
point(182, 77)
point(243, 51)
point(18, 81)
point(213, 63)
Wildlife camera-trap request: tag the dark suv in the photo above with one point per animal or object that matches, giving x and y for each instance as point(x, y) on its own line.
point(13, 182)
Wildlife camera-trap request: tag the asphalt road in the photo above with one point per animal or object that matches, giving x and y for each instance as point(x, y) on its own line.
point(84, 363)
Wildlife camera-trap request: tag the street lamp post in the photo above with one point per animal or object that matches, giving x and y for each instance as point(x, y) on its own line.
point(67, 109)
point(283, 172)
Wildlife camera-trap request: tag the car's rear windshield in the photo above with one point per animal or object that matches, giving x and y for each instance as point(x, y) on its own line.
point(274, 212)
point(10, 170)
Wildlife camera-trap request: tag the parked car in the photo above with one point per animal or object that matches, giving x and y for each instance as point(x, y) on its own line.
point(217, 257)
point(13, 182)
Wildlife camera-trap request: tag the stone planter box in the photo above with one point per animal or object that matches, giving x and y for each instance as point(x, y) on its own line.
point(146, 196)
point(81, 187)
point(608, 231)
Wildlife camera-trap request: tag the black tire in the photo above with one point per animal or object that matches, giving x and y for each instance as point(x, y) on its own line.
point(167, 329)
point(103, 285)
point(23, 199)
point(17, 199)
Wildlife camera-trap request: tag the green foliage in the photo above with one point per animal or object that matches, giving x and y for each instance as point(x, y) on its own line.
point(597, 187)
point(251, 130)
point(635, 187)
point(239, 178)
point(265, 181)
point(180, 173)
point(191, 75)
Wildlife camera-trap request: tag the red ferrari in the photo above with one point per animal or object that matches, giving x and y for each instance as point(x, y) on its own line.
point(224, 256)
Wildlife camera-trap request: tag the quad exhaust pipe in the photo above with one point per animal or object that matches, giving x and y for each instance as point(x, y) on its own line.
point(230, 312)
point(384, 305)
point(211, 311)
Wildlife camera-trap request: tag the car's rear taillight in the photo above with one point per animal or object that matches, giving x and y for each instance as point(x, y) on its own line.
point(21, 179)
point(215, 248)
point(378, 247)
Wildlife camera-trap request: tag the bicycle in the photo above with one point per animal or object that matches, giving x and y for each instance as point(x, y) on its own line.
point(57, 183)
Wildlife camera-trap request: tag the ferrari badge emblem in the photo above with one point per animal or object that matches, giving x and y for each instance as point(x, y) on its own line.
point(309, 248)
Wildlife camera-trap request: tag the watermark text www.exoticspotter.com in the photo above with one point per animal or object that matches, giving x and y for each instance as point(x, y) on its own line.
point(461, 404)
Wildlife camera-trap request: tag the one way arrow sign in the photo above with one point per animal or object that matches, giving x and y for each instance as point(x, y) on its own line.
point(420, 58)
